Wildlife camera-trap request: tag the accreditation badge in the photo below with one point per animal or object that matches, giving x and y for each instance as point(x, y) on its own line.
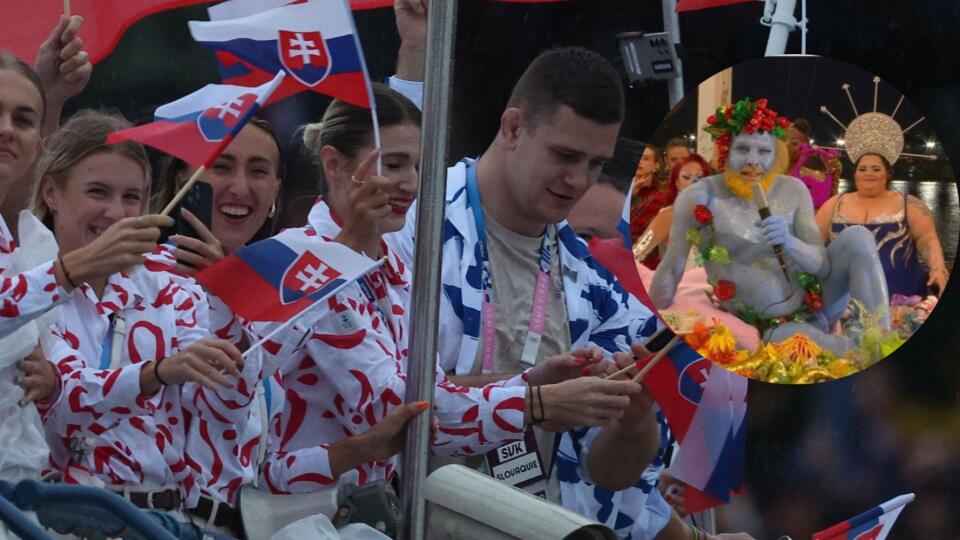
point(519, 464)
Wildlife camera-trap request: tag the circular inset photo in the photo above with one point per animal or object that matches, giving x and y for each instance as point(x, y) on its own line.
point(795, 219)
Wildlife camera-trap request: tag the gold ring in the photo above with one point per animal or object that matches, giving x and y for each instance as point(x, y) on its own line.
point(355, 181)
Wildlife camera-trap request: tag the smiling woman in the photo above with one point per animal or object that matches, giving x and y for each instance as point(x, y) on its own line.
point(246, 181)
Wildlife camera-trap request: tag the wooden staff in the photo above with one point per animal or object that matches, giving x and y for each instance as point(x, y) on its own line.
point(660, 354)
point(183, 191)
point(66, 8)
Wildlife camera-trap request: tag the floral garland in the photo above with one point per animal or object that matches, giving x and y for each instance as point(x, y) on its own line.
point(726, 291)
point(743, 116)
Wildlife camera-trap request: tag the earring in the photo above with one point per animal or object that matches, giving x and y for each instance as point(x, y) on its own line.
point(273, 210)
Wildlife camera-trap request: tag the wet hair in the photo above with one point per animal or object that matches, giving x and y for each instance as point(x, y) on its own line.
point(692, 158)
point(572, 76)
point(349, 128)
point(83, 135)
point(11, 62)
point(619, 171)
point(886, 166)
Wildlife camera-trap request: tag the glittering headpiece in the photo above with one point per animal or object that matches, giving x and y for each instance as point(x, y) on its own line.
point(873, 132)
point(744, 116)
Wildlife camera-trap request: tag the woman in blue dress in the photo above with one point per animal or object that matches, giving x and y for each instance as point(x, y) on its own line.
point(907, 241)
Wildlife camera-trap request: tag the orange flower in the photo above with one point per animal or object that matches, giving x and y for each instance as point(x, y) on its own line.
point(799, 349)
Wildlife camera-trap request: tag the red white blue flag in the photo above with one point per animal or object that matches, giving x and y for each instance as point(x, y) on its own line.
point(314, 42)
point(278, 278)
point(706, 409)
point(874, 524)
point(196, 128)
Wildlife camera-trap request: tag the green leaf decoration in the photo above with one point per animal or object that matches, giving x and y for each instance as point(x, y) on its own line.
point(719, 254)
point(693, 237)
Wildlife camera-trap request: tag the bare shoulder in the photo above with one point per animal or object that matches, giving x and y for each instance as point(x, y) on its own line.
point(697, 193)
point(915, 205)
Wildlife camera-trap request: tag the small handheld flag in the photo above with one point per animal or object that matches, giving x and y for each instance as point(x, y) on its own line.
point(874, 524)
point(198, 127)
point(278, 278)
point(314, 42)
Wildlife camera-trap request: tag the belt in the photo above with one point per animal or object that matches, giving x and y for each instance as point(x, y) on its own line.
point(154, 500)
point(223, 515)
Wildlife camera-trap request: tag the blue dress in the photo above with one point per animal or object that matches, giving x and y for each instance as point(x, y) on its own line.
point(898, 252)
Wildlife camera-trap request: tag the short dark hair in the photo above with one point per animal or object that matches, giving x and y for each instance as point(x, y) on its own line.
point(676, 142)
point(573, 76)
point(619, 171)
point(803, 126)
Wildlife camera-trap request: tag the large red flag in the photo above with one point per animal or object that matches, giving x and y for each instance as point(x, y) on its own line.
point(693, 5)
point(104, 22)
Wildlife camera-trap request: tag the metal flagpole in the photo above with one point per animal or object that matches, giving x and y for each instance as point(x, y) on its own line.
point(781, 23)
point(671, 25)
point(424, 313)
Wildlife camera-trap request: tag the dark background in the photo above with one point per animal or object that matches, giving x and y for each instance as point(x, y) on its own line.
point(816, 455)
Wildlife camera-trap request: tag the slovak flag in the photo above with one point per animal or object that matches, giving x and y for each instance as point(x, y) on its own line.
point(706, 408)
point(276, 279)
point(874, 524)
point(314, 42)
point(196, 128)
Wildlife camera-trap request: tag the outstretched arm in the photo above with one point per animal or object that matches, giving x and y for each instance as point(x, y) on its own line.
point(412, 27)
point(63, 66)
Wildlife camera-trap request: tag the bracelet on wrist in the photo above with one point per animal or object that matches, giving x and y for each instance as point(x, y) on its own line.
point(543, 415)
point(533, 406)
point(66, 274)
point(156, 372)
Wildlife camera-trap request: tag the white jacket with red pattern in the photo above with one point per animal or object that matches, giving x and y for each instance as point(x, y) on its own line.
point(223, 426)
point(27, 295)
point(351, 372)
point(101, 427)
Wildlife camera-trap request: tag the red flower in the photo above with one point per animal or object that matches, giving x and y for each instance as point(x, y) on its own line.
point(724, 290)
point(762, 103)
point(754, 121)
point(712, 119)
point(813, 301)
point(702, 214)
point(783, 122)
point(728, 112)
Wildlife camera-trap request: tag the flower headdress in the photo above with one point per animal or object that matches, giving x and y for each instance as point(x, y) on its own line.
point(744, 116)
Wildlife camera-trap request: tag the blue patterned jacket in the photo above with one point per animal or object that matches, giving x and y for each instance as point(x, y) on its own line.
point(601, 313)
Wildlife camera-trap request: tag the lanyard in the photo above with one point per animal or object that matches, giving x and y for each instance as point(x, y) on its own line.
point(541, 296)
point(113, 341)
